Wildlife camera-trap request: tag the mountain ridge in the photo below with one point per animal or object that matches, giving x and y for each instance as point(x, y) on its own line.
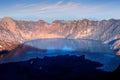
point(14, 32)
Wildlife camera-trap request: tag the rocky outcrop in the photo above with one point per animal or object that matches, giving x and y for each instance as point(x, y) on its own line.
point(118, 53)
point(14, 32)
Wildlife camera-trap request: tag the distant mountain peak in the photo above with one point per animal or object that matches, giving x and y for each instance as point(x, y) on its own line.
point(7, 18)
point(59, 21)
point(41, 21)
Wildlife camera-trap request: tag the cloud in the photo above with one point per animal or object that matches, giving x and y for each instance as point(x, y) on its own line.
point(58, 7)
point(45, 7)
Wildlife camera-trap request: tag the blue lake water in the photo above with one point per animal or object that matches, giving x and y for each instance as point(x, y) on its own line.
point(93, 50)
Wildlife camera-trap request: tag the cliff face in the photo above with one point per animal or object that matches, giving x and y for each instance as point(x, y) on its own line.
point(13, 32)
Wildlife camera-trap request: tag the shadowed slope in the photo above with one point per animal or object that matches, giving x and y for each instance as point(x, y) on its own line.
point(53, 68)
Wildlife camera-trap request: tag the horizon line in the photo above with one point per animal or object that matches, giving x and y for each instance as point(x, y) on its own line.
point(89, 19)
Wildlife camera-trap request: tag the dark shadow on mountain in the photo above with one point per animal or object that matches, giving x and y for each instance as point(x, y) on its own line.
point(4, 52)
point(114, 75)
point(116, 50)
point(53, 68)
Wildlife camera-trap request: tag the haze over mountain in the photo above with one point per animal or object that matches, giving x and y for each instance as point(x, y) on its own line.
point(14, 32)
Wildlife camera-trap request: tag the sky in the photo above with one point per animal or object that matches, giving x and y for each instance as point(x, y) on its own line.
point(50, 10)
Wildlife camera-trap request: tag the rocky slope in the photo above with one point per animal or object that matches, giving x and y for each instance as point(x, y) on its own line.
point(53, 68)
point(14, 32)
